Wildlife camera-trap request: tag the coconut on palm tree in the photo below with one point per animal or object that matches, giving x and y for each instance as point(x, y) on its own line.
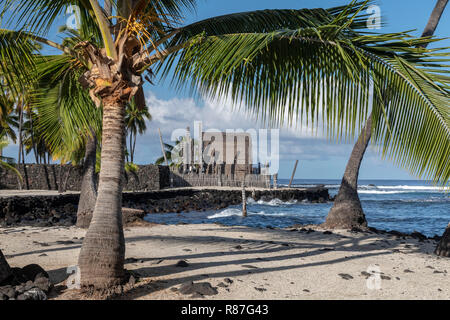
point(281, 63)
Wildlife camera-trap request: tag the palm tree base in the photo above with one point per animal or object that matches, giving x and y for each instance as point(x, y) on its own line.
point(443, 248)
point(346, 214)
point(88, 195)
point(84, 219)
point(101, 259)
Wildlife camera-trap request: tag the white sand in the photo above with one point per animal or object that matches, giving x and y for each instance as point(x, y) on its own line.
point(280, 263)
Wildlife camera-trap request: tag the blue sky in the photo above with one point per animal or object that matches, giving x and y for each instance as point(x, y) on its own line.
point(318, 157)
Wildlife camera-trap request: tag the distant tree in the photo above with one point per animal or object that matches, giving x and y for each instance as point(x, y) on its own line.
point(136, 123)
point(168, 148)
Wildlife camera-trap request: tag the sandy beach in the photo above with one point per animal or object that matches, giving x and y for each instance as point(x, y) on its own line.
point(246, 263)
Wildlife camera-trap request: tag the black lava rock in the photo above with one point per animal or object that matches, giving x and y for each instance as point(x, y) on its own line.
point(203, 288)
point(182, 264)
point(33, 294)
point(33, 270)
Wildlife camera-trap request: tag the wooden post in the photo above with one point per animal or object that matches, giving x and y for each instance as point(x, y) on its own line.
point(187, 152)
point(162, 147)
point(244, 201)
point(293, 174)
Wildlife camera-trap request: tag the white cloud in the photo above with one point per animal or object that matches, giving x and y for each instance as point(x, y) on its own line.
point(168, 115)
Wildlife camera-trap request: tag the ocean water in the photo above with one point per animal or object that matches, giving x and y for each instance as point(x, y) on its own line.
point(402, 205)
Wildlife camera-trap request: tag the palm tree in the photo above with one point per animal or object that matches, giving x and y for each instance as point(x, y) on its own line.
point(281, 55)
point(135, 123)
point(443, 248)
point(347, 211)
point(68, 120)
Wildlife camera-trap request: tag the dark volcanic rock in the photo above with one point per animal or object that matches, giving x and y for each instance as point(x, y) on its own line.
point(28, 283)
point(43, 283)
point(132, 215)
point(418, 235)
point(408, 271)
point(46, 211)
point(345, 276)
point(33, 270)
point(203, 288)
point(182, 264)
point(33, 294)
point(8, 291)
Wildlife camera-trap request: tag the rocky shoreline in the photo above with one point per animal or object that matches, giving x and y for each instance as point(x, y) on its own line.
point(28, 283)
point(60, 210)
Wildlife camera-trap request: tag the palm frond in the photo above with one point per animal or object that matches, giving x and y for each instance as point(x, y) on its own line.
point(16, 60)
point(338, 74)
point(66, 114)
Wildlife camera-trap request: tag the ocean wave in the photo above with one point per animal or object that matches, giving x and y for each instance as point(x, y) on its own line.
point(273, 203)
point(432, 200)
point(329, 186)
point(414, 188)
point(380, 187)
point(234, 212)
point(226, 213)
point(380, 192)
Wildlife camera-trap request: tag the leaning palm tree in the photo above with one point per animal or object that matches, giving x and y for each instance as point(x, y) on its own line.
point(135, 123)
point(264, 58)
point(347, 211)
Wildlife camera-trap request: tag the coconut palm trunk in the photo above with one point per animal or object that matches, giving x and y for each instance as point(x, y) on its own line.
point(5, 270)
point(88, 195)
point(19, 157)
point(443, 248)
point(435, 17)
point(347, 210)
point(102, 255)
